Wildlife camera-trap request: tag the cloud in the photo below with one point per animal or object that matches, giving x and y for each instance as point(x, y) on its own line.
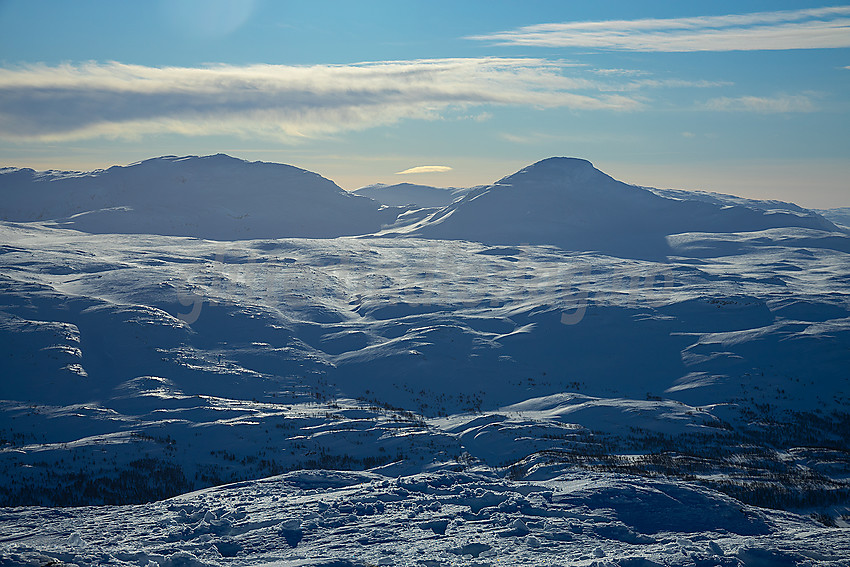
point(639, 84)
point(762, 105)
point(619, 72)
point(816, 28)
point(517, 138)
point(425, 169)
point(48, 103)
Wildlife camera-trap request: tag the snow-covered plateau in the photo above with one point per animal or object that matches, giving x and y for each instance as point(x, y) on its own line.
point(207, 361)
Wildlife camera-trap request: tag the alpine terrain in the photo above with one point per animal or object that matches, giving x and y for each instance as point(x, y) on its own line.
point(209, 361)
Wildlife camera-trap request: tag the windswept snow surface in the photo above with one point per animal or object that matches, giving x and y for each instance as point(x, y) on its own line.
point(324, 518)
point(428, 401)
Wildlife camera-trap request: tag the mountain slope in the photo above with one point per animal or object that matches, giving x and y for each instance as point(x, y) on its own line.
point(839, 215)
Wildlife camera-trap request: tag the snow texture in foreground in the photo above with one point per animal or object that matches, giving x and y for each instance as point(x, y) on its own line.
point(441, 518)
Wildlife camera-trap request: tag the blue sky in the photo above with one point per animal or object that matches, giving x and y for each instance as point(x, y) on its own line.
point(750, 98)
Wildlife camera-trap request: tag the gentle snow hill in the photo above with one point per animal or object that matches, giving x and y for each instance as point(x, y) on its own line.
point(216, 197)
point(404, 194)
point(569, 203)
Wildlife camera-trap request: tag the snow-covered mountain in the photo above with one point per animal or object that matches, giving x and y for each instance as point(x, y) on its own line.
point(403, 194)
point(561, 201)
point(569, 203)
point(475, 385)
point(217, 197)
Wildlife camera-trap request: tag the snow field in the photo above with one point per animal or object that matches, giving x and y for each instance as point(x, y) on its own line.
point(441, 518)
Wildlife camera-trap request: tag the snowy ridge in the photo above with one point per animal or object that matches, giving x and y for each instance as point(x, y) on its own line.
point(731, 200)
point(839, 215)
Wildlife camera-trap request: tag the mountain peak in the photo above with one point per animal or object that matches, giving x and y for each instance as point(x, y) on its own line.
point(565, 163)
point(560, 169)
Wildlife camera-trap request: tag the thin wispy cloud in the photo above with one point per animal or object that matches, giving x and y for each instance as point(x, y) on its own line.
point(47, 103)
point(425, 169)
point(763, 105)
point(669, 83)
point(619, 72)
point(816, 28)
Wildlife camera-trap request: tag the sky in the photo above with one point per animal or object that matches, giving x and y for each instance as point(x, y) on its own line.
point(748, 98)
